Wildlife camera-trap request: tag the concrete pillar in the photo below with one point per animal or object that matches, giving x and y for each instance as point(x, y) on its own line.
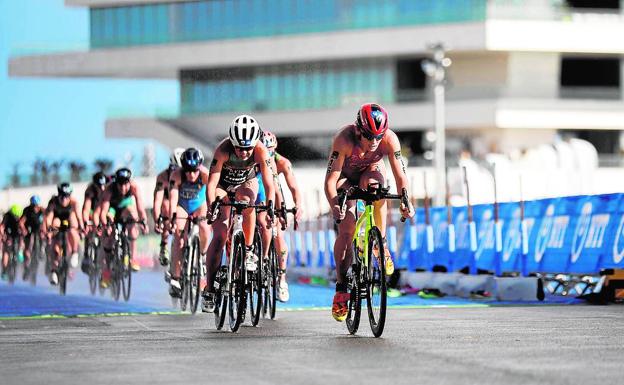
point(533, 74)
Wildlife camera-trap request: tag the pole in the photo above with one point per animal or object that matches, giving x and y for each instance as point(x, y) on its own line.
point(440, 143)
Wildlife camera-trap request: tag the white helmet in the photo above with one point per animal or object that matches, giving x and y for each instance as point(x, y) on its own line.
point(174, 158)
point(244, 131)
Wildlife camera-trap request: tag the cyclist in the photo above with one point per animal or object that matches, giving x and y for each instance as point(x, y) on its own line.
point(92, 196)
point(30, 226)
point(233, 169)
point(63, 212)
point(160, 209)
point(122, 200)
point(188, 199)
point(283, 166)
point(356, 159)
point(9, 231)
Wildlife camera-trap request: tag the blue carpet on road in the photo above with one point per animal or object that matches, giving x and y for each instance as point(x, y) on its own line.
point(149, 295)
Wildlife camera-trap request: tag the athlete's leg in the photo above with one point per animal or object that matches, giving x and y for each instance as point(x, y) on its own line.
point(265, 232)
point(215, 248)
point(247, 193)
point(343, 253)
point(164, 237)
point(131, 212)
point(178, 242)
point(376, 173)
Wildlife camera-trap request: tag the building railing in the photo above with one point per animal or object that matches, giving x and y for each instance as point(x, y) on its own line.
point(225, 19)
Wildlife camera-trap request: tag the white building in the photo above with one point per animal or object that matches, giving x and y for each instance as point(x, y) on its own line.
point(523, 71)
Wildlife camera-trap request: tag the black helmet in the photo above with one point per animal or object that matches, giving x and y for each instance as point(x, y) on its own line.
point(99, 178)
point(64, 189)
point(123, 175)
point(191, 159)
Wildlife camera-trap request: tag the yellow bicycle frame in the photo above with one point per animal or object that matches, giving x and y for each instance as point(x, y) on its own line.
point(366, 220)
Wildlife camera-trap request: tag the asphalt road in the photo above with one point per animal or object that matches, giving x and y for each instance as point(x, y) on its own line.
point(495, 345)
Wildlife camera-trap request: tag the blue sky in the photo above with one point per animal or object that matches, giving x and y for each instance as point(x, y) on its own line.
point(64, 118)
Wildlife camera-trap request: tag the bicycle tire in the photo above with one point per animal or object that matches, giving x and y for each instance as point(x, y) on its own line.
point(376, 291)
point(237, 297)
point(272, 289)
point(255, 283)
point(126, 270)
point(115, 271)
point(355, 302)
point(91, 255)
point(34, 260)
point(221, 301)
point(62, 274)
point(12, 267)
point(195, 276)
point(184, 279)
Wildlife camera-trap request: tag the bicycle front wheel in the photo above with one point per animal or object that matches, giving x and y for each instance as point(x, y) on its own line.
point(194, 275)
point(126, 271)
point(255, 283)
point(270, 282)
point(376, 297)
point(93, 271)
point(237, 293)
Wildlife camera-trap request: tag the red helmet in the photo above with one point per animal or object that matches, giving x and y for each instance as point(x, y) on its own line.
point(372, 120)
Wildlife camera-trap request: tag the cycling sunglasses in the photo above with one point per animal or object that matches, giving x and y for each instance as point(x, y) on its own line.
point(371, 137)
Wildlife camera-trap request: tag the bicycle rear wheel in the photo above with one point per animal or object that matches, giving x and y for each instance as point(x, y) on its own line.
point(255, 283)
point(195, 275)
point(238, 295)
point(376, 294)
point(355, 302)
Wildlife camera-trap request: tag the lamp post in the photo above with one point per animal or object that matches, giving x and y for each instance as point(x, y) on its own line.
point(435, 68)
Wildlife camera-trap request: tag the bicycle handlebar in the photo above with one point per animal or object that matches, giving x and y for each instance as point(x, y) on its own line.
point(283, 212)
point(370, 195)
point(239, 206)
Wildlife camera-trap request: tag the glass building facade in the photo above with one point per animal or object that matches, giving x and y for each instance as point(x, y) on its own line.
point(287, 87)
point(230, 19)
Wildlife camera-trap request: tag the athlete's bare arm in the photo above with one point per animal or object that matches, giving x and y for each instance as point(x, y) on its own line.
point(174, 192)
point(134, 188)
point(75, 208)
point(392, 148)
point(162, 182)
point(220, 156)
point(341, 146)
point(284, 166)
point(105, 205)
point(86, 205)
point(267, 169)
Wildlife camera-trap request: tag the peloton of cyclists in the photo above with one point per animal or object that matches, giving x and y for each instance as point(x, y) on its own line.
point(187, 200)
point(233, 169)
point(356, 159)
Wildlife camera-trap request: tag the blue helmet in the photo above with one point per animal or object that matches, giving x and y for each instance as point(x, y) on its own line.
point(35, 200)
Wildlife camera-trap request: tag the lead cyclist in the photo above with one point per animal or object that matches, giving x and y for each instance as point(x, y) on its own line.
point(356, 159)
